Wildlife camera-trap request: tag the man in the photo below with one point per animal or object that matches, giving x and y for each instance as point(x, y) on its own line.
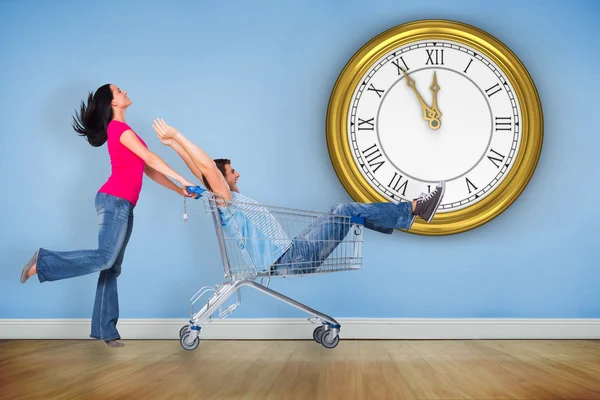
point(270, 249)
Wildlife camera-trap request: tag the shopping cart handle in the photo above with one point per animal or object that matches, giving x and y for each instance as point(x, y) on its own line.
point(196, 189)
point(357, 220)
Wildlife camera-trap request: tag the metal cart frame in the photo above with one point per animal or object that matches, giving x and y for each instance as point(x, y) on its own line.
point(244, 265)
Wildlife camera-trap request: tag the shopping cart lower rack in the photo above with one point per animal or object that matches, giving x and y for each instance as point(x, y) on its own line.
point(248, 233)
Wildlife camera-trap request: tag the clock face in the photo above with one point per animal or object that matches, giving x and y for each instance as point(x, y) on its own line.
point(434, 110)
point(435, 100)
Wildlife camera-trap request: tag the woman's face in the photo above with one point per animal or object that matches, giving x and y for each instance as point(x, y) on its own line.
point(120, 99)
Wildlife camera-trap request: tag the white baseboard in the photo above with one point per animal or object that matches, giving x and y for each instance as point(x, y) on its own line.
point(280, 329)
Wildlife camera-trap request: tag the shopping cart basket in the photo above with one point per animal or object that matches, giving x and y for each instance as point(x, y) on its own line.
point(293, 233)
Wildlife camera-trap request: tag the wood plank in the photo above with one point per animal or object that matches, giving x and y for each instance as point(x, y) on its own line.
point(356, 369)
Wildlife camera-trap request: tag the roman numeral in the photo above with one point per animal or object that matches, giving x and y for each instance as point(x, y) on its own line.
point(469, 184)
point(490, 92)
point(395, 184)
point(372, 88)
point(503, 123)
point(397, 64)
point(468, 65)
point(435, 57)
point(373, 156)
point(494, 159)
point(370, 125)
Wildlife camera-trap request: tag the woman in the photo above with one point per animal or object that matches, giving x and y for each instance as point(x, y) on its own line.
point(103, 120)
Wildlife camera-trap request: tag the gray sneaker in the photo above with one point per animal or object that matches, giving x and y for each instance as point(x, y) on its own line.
point(428, 203)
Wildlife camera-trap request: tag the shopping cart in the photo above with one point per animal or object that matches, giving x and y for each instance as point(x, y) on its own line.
point(290, 230)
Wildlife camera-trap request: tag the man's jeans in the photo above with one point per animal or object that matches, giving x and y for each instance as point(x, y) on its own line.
point(312, 247)
point(115, 223)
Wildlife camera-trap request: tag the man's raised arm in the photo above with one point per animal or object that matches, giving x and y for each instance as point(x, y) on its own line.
point(205, 165)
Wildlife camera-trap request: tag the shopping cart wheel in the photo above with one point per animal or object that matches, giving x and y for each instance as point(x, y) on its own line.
point(318, 333)
point(183, 330)
point(189, 346)
point(328, 341)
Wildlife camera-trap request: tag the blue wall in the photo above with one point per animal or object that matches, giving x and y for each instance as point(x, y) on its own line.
point(251, 81)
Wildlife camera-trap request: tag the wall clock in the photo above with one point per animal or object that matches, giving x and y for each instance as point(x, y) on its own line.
point(436, 100)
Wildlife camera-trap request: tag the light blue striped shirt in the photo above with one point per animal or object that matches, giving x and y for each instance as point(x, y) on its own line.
point(264, 236)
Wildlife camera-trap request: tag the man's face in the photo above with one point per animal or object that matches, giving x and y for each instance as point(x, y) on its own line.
point(231, 177)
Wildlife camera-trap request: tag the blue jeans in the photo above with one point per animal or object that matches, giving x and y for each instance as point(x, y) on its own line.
point(115, 223)
point(312, 247)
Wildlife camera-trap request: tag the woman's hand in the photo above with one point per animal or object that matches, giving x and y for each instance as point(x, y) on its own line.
point(185, 193)
point(184, 184)
point(161, 179)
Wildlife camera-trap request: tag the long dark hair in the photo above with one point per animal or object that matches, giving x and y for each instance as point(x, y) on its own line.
point(94, 117)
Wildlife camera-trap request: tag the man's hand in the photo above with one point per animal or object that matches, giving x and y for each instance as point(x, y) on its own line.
point(163, 130)
point(167, 142)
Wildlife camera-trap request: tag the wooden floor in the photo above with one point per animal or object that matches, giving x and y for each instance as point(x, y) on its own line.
point(161, 369)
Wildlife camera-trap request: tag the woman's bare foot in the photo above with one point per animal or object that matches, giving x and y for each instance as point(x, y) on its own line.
point(114, 343)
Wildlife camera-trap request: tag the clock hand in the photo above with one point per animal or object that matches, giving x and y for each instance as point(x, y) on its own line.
point(434, 121)
point(428, 113)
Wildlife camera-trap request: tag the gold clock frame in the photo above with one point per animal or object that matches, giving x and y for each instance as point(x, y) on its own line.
point(531, 121)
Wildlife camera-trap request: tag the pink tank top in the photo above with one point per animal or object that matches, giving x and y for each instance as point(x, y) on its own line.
point(127, 168)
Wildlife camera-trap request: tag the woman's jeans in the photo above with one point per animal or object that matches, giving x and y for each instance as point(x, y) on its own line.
point(312, 247)
point(115, 223)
